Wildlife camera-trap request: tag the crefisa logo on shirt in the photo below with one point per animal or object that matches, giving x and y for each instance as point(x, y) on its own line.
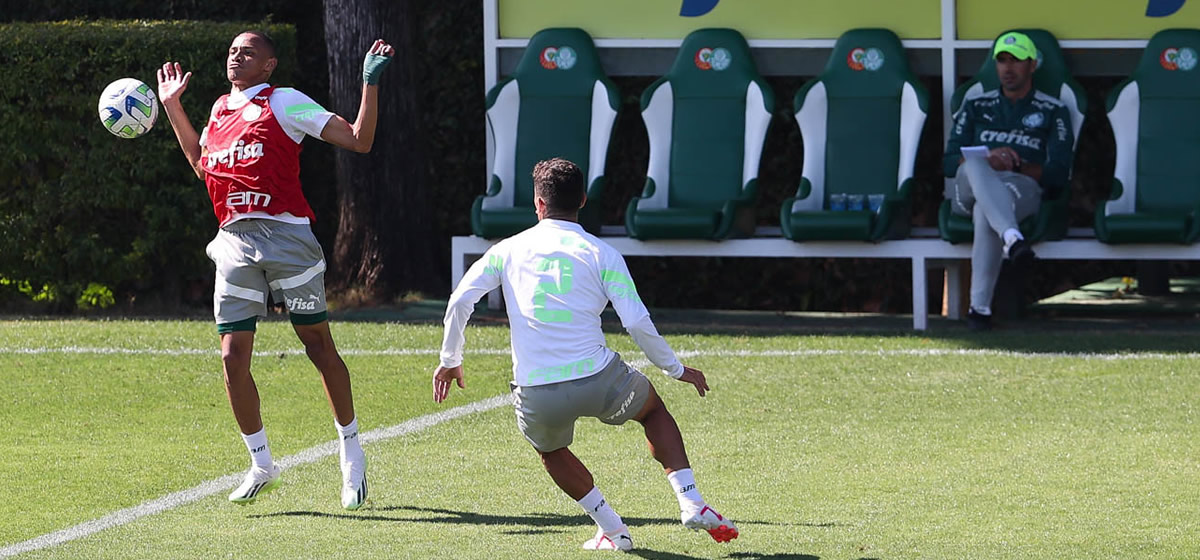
point(1014, 136)
point(238, 151)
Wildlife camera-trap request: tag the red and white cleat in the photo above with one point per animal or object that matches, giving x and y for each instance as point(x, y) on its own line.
point(707, 518)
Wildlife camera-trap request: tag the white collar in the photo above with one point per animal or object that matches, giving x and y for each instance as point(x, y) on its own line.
point(238, 98)
point(561, 224)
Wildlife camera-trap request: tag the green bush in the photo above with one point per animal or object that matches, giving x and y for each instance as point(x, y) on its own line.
point(79, 206)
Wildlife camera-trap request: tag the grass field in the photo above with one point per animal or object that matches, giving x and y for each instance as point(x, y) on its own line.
point(1044, 444)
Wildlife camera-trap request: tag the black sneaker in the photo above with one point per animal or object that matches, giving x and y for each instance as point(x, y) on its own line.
point(1020, 253)
point(978, 321)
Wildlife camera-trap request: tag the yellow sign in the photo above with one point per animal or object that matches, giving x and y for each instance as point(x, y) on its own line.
point(756, 19)
point(1076, 19)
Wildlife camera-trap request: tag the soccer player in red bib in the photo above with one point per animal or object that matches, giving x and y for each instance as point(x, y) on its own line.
point(248, 155)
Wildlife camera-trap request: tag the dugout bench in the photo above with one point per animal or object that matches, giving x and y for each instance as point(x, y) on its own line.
point(924, 249)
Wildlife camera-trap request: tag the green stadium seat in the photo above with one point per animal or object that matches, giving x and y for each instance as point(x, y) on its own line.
point(558, 103)
point(861, 122)
point(707, 120)
point(1052, 77)
point(1155, 117)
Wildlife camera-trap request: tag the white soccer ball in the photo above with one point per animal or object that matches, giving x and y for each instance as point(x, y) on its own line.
point(128, 108)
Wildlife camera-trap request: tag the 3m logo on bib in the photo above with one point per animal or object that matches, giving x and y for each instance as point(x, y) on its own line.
point(235, 153)
point(301, 304)
point(1011, 137)
point(243, 198)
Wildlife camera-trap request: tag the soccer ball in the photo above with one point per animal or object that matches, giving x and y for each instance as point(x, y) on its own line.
point(128, 108)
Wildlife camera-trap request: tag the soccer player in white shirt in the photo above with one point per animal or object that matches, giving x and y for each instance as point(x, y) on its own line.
point(557, 279)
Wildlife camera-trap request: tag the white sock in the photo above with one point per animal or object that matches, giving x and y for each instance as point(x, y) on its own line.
point(260, 452)
point(982, 310)
point(348, 444)
point(684, 485)
point(597, 507)
point(1011, 235)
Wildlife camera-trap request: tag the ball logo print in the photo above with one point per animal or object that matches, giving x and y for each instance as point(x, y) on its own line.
point(128, 108)
point(704, 59)
point(560, 58)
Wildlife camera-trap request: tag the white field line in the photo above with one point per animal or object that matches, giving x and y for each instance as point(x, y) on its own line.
point(915, 352)
point(225, 483)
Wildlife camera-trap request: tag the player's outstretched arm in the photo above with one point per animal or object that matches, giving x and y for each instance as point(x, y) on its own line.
point(696, 378)
point(360, 136)
point(441, 381)
point(172, 82)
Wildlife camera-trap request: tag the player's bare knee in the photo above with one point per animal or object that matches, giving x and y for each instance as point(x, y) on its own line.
point(317, 344)
point(654, 406)
point(235, 359)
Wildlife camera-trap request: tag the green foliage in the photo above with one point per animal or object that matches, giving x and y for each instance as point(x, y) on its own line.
point(95, 296)
point(79, 206)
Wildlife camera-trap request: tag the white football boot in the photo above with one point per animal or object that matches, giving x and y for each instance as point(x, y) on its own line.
point(354, 483)
point(258, 481)
point(707, 518)
point(620, 541)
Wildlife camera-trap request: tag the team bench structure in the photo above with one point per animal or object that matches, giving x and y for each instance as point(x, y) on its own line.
point(923, 248)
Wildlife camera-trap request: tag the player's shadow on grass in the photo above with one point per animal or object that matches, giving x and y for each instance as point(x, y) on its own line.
point(540, 523)
point(778, 556)
point(535, 523)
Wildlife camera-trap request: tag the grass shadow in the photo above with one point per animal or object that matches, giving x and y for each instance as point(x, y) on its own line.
point(540, 522)
point(777, 556)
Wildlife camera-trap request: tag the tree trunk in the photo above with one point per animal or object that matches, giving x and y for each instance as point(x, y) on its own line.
point(383, 245)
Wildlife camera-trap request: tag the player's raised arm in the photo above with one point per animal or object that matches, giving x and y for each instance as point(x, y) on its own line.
point(172, 82)
point(360, 136)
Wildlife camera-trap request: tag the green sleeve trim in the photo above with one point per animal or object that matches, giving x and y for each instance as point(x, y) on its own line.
point(303, 319)
point(304, 111)
point(495, 265)
point(238, 326)
point(624, 287)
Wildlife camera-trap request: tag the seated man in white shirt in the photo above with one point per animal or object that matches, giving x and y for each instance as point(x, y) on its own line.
point(557, 279)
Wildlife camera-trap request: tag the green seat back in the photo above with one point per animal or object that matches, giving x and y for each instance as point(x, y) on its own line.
point(703, 102)
point(861, 119)
point(552, 112)
point(1168, 124)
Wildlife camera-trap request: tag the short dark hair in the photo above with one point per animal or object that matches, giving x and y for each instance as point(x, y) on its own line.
point(560, 183)
point(261, 35)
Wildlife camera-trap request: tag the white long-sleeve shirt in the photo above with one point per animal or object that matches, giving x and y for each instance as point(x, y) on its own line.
point(557, 279)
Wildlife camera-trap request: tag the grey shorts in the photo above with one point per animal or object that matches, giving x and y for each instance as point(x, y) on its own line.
point(254, 256)
point(546, 414)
